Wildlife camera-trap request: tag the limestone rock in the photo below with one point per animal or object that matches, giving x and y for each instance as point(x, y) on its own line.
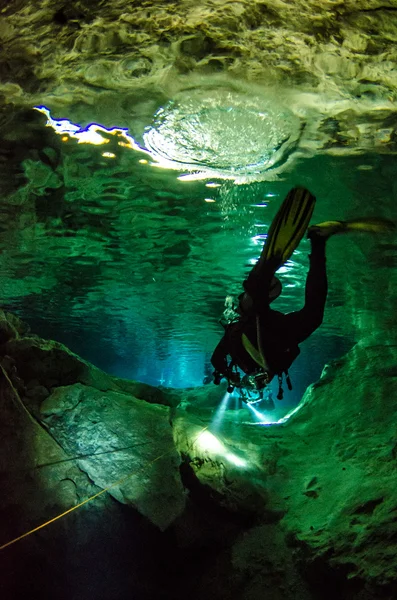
point(50, 364)
point(342, 465)
point(39, 481)
point(11, 327)
point(218, 465)
point(123, 444)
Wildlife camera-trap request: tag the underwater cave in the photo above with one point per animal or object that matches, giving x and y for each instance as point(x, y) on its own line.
point(146, 150)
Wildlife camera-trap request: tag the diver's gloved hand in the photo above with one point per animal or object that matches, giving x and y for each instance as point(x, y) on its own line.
point(217, 377)
point(232, 377)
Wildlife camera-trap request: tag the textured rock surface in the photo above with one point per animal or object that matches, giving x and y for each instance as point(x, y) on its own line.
point(83, 57)
point(120, 439)
point(113, 45)
point(98, 416)
point(347, 493)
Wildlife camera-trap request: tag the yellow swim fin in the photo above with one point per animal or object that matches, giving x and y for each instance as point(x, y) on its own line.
point(287, 228)
point(361, 225)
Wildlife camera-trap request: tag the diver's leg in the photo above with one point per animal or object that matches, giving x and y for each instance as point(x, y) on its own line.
point(302, 323)
point(316, 282)
point(285, 232)
point(257, 287)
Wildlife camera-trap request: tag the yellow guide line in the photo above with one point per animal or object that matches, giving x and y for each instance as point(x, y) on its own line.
point(119, 482)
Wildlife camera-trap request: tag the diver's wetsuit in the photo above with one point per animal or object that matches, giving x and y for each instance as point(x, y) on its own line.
point(280, 333)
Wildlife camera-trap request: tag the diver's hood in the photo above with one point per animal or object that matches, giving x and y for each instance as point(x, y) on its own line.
point(275, 289)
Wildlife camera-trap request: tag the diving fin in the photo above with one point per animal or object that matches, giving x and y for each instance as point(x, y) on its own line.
point(360, 225)
point(287, 229)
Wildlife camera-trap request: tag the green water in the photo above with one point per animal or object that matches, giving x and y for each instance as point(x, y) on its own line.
point(130, 266)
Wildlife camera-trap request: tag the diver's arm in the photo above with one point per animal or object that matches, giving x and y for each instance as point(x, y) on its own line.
point(221, 366)
point(218, 358)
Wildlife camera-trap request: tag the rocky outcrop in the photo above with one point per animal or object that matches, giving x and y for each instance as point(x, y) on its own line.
point(123, 444)
point(345, 501)
point(100, 416)
point(347, 46)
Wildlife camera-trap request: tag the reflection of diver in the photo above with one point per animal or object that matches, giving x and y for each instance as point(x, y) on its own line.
point(263, 342)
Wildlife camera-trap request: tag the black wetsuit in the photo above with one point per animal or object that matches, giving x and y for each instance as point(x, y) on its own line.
point(281, 333)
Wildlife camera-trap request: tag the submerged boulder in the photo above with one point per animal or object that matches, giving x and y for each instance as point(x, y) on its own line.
point(96, 423)
point(123, 444)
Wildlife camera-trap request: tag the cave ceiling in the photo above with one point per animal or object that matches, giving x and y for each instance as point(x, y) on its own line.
point(332, 59)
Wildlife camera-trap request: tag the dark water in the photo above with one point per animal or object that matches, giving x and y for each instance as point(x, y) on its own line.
point(129, 266)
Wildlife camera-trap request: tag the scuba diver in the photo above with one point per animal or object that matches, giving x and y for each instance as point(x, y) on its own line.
point(261, 342)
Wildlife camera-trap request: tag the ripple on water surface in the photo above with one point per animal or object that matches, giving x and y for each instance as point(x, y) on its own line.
point(229, 134)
